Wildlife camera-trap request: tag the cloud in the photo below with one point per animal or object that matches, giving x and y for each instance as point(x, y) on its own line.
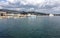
point(33, 2)
point(48, 6)
point(1, 7)
point(56, 9)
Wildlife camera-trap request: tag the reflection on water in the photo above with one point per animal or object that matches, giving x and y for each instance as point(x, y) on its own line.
point(30, 27)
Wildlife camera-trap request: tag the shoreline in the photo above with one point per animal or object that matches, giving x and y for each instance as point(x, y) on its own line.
point(3, 17)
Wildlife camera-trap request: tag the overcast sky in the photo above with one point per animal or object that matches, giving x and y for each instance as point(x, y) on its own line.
point(46, 6)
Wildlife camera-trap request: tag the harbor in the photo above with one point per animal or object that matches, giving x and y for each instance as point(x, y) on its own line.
point(7, 14)
point(12, 15)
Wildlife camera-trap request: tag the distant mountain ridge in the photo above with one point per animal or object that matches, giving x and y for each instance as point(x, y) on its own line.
point(23, 12)
point(5, 10)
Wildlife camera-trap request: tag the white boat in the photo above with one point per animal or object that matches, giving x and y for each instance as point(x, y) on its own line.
point(51, 15)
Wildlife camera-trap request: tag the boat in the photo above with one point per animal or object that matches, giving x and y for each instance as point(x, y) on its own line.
point(51, 15)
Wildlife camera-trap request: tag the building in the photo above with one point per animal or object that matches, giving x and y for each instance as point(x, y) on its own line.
point(2, 13)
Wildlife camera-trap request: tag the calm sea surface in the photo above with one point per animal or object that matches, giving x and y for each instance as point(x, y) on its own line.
point(30, 27)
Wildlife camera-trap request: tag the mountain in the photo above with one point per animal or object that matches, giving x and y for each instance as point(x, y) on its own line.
point(23, 12)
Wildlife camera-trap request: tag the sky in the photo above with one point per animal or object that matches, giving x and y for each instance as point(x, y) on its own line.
point(45, 6)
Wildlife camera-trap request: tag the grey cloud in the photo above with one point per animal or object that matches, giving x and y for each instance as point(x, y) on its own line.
point(44, 6)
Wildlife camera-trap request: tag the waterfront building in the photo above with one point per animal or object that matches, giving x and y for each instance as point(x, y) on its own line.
point(2, 13)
